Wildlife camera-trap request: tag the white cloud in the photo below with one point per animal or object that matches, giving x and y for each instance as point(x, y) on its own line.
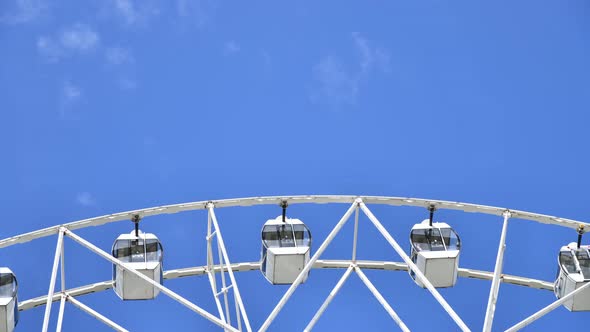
point(49, 48)
point(85, 199)
point(71, 92)
point(371, 57)
point(230, 47)
point(70, 95)
point(336, 84)
point(24, 11)
point(118, 56)
point(136, 12)
point(198, 11)
point(79, 37)
point(126, 84)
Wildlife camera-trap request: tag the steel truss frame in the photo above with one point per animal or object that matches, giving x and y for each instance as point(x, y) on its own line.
point(224, 266)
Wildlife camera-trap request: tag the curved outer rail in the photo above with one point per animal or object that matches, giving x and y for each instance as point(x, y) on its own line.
point(320, 264)
point(275, 200)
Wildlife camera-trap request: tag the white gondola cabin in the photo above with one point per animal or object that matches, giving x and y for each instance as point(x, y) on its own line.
point(573, 272)
point(143, 253)
point(435, 250)
point(8, 300)
point(286, 248)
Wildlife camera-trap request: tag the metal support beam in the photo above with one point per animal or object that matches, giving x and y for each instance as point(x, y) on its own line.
point(355, 236)
point(210, 269)
point(308, 266)
point(224, 287)
point(225, 256)
point(547, 309)
point(326, 303)
point(141, 276)
point(60, 238)
point(60, 317)
point(495, 287)
point(95, 314)
point(381, 300)
point(414, 268)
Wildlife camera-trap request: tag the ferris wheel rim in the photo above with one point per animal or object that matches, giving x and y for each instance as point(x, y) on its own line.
point(297, 199)
point(200, 271)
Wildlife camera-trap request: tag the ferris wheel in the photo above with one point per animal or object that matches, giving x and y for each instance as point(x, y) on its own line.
point(288, 254)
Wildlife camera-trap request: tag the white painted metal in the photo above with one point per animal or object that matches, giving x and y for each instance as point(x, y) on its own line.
point(319, 264)
point(394, 201)
point(60, 316)
point(163, 289)
point(381, 300)
point(210, 270)
point(355, 236)
point(95, 314)
point(414, 268)
point(225, 256)
point(548, 309)
point(275, 200)
point(307, 267)
point(56, 260)
point(62, 274)
point(495, 287)
point(327, 301)
point(223, 285)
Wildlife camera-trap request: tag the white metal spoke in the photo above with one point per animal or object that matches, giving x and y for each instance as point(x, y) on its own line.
point(95, 314)
point(355, 236)
point(495, 287)
point(381, 300)
point(210, 270)
point(326, 303)
point(223, 285)
point(547, 309)
point(414, 268)
point(225, 256)
point(163, 289)
point(60, 317)
point(307, 267)
point(56, 259)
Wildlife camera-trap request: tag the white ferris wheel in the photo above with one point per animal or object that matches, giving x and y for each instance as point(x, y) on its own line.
point(288, 254)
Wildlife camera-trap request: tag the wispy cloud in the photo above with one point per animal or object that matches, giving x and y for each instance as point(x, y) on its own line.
point(230, 47)
point(371, 57)
point(336, 84)
point(70, 94)
point(23, 11)
point(49, 48)
point(85, 199)
point(136, 12)
point(125, 83)
point(198, 12)
point(79, 38)
point(118, 56)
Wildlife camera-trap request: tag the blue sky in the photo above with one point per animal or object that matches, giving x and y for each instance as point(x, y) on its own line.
point(116, 105)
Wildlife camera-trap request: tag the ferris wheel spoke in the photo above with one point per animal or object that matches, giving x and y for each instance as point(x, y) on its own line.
point(495, 287)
